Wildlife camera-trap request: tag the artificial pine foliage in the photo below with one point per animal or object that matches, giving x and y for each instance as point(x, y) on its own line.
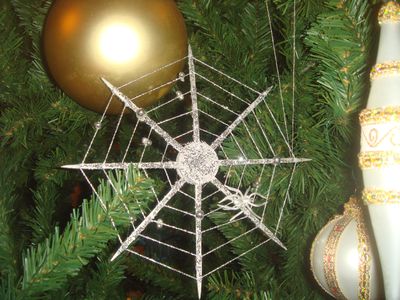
point(50, 251)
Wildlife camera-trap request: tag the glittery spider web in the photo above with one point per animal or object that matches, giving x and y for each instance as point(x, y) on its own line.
point(208, 165)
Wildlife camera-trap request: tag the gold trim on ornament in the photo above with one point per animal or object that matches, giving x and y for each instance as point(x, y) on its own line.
point(353, 209)
point(364, 267)
point(317, 238)
point(330, 256)
point(380, 115)
point(385, 70)
point(380, 197)
point(389, 13)
point(375, 138)
point(378, 159)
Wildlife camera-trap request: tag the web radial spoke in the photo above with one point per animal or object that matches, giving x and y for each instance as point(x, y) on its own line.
point(263, 161)
point(132, 237)
point(142, 116)
point(123, 166)
point(193, 94)
point(239, 119)
point(199, 242)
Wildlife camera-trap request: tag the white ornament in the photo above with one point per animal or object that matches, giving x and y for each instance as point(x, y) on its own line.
point(380, 149)
point(343, 262)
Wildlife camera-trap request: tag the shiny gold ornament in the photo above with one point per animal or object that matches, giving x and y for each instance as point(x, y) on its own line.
point(121, 41)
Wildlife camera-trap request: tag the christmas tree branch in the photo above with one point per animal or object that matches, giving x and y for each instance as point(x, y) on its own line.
point(105, 279)
point(340, 41)
point(41, 220)
point(47, 266)
point(234, 286)
point(339, 44)
point(161, 279)
point(241, 46)
point(8, 260)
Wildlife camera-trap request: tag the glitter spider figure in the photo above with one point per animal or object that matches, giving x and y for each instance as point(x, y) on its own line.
point(240, 201)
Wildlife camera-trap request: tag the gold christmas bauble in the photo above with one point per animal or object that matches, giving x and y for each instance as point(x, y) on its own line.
point(342, 259)
point(121, 41)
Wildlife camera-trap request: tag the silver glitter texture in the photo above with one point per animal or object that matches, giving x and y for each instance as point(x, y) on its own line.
point(200, 214)
point(160, 223)
point(179, 95)
point(147, 142)
point(197, 164)
point(182, 76)
point(277, 161)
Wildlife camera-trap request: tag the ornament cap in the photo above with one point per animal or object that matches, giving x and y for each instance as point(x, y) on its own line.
point(353, 208)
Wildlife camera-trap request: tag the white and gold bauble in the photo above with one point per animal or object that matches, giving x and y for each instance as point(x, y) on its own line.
point(380, 149)
point(342, 261)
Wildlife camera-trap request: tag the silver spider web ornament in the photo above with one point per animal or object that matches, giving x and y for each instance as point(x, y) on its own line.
point(205, 166)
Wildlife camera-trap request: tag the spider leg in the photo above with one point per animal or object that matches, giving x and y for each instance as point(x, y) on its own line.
point(227, 203)
point(253, 197)
point(257, 205)
point(234, 190)
point(229, 198)
point(246, 193)
point(248, 207)
point(235, 216)
point(259, 195)
point(226, 207)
